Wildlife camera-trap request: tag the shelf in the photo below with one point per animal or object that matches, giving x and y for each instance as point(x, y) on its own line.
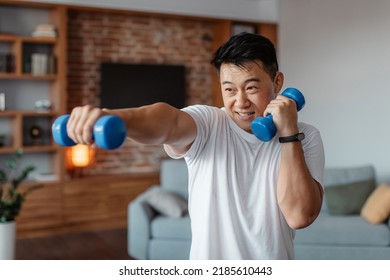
point(7, 150)
point(40, 149)
point(8, 37)
point(30, 149)
point(14, 76)
point(11, 38)
point(13, 113)
point(22, 50)
point(39, 40)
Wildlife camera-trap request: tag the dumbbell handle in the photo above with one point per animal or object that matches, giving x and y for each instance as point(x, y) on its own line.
point(109, 132)
point(264, 128)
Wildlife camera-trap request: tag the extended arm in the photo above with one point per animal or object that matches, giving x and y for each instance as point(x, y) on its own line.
point(158, 123)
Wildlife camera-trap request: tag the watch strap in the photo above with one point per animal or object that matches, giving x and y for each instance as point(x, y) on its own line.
point(293, 138)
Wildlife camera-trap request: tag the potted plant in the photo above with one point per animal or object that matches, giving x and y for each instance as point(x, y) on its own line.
point(11, 201)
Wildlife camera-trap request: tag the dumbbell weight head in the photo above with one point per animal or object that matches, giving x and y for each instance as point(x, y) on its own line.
point(295, 95)
point(58, 130)
point(264, 128)
point(109, 132)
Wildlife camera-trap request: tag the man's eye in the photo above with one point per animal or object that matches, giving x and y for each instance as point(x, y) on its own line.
point(251, 88)
point(228, 90)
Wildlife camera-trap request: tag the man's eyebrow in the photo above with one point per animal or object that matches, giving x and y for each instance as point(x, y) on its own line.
point(246, 81)
point(252, 80)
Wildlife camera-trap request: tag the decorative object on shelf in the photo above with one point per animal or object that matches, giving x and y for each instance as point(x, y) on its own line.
point(43, 105)
point(2, 101)
point(237, 28)
point(45, 30)
point(36, 134)
point(11, 200)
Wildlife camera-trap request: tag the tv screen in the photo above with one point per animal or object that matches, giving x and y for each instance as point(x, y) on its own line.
point(134, 85)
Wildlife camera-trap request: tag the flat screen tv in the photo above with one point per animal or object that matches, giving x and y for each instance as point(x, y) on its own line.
point(133, 85)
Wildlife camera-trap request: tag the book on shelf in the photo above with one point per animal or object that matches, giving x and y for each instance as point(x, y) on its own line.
point(45, 30)
point(7, 63)
point(42, 64)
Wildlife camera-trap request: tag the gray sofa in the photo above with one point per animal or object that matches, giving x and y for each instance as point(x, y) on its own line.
point(152, 236)
point(155, 236)
point(343, 236)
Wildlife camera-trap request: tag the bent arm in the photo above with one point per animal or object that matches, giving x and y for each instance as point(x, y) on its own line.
point(299, 195)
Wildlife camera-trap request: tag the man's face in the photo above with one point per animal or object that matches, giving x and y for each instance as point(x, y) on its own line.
point(247, 91)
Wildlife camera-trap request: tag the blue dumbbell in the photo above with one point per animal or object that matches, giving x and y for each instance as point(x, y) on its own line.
point(264, 127)
point(109, 132)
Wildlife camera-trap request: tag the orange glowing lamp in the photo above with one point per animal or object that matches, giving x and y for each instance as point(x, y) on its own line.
point(80, 156)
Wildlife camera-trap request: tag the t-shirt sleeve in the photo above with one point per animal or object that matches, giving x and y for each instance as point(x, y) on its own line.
point(314, 152)
point(203, 117)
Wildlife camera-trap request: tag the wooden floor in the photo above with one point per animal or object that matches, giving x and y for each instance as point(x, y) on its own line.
point(101, 245)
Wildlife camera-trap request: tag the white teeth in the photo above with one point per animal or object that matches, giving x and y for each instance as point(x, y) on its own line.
point(245, 114)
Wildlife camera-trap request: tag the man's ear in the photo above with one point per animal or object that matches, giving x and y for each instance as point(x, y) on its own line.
point(278, 81)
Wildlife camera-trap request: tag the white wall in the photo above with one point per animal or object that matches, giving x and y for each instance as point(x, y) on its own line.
point(338, 53)
point(252, 10)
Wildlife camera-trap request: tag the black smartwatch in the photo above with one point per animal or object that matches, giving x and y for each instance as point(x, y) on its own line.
point(293, 138)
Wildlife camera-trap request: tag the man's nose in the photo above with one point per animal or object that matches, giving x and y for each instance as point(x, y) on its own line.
point(242, 100)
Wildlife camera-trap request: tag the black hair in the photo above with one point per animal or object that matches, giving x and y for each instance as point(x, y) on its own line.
point(247, 47)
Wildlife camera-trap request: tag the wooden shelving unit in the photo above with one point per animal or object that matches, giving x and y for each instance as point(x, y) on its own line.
point(22, 88)
point(21, 47)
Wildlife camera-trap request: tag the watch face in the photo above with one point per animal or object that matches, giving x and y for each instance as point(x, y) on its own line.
point(301, 136)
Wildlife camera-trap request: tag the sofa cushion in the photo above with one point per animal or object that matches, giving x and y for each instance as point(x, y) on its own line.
point(169, 249)
point(346, 199)
point(171, 228)
point(168, 204)
point(343, 230)
point(376, 210)
point(334, 176)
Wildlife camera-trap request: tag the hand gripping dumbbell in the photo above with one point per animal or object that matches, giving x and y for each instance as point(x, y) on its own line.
point(109, 132)
point(264, 127)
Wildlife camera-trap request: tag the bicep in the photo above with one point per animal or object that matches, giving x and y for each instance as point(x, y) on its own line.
point(182, 134)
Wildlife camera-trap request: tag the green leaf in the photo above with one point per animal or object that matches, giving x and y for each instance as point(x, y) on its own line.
point(11, 163)
point(23, 175)
point(3, 177)
point(18, 153)
point(11, 203)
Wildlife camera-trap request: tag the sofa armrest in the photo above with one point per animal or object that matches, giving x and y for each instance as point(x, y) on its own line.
point(140, 215)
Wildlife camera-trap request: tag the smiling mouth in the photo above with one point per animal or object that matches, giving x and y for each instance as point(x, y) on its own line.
point(246, 115)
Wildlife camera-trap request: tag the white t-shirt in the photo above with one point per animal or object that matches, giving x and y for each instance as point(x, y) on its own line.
point(232, 189)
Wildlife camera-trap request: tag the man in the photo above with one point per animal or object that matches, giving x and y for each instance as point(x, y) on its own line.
point(246, 197)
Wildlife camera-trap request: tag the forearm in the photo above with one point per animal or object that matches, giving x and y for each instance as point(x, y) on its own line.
point(299, 195)
point(158, 123)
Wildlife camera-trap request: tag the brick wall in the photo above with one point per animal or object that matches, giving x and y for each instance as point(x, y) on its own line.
point(96, 37)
